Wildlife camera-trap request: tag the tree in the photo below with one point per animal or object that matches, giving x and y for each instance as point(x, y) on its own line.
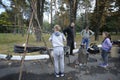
point(86, 6)
point(73, 9)
point(99, 15)
point(5, 19)
point(5, 22)
point(22, 10)
point(66, 12)
point(17, 8)
point(39, 8)
point(46, 26)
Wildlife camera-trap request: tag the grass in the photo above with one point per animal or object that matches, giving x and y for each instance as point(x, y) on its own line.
point(7, 41)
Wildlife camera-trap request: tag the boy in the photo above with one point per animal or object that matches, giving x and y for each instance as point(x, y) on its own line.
point(57, 39)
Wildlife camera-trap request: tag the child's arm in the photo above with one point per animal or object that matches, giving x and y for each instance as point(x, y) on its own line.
point(81, 33)
point(109, 43)
point(92, 33)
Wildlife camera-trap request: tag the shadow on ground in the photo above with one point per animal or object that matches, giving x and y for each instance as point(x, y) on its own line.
point(31, 76)
point(114, 68)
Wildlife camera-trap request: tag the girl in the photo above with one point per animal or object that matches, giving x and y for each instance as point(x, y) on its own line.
point(106, 47)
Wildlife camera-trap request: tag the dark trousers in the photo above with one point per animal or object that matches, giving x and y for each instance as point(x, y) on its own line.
point(71, 45)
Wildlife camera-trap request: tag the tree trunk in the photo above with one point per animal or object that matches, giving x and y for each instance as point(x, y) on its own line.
point(40, 10)
point(36, 31)
point(73, 9)
point(51, 14)
point(101, 7)
point(97, 32)
point(97, 25)
point(37, 35)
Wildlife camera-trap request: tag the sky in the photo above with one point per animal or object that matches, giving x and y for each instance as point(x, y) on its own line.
point(6, 2)
point(1, 10)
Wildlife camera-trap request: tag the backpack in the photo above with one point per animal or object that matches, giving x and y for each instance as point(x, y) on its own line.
point(94, 49)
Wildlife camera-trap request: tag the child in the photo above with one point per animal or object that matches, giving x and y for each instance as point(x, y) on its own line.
point(86, 34)
point(106, 47)
point(57, 39)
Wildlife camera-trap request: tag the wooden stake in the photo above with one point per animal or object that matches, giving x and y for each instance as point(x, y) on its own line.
point(26, 43)
point(35, 14)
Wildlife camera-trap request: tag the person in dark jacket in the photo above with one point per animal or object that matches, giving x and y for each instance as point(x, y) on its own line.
point(70, 33)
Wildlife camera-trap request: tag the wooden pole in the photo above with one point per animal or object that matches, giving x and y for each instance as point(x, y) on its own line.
point(35, 14)
point(26, 43)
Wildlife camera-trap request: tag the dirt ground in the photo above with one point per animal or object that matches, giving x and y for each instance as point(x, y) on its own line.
point(44, 70)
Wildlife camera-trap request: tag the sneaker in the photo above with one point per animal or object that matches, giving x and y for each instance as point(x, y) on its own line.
point(57, 75)
point(80, 64)
point(62, 74)
point(103, 65)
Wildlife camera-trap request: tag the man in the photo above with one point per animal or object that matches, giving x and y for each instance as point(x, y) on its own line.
point(70, 33)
